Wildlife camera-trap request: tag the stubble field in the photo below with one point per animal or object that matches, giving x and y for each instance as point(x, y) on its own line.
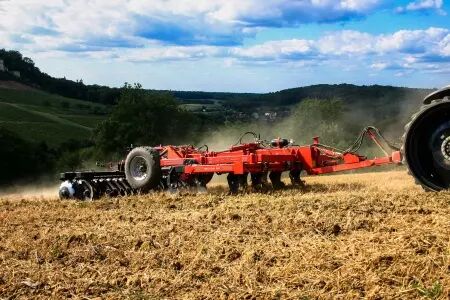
point(353, 236)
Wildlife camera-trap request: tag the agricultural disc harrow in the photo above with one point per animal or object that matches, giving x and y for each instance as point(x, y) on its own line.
point(426, 151)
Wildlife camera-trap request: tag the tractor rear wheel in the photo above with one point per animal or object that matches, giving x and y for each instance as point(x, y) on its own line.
point(142, 168)
point(426, 147)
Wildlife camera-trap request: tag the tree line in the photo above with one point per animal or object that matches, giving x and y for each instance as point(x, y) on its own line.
point(33, 76)
point(148, 117)
point(140, 117)
point(373, 97)
point(151, 118)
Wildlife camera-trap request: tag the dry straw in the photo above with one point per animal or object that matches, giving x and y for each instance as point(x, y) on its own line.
point(372, 236)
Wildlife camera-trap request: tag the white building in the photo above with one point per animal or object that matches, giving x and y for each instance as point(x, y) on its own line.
point(2, 66)
point(16, 73)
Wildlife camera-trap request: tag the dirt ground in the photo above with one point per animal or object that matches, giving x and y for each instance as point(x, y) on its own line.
point(371, 236)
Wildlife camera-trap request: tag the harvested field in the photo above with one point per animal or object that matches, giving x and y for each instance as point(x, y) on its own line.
point(373, 236)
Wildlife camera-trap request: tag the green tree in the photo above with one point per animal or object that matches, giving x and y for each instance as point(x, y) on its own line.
point(144, 118)
point(323, 118)
point(20, 159)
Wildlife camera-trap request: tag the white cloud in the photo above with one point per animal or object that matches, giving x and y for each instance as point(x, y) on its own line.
point(349, 42)
point(168, 53)
point(444, 46)
point(341, 43)
point(405, 49)
point(164, 30)
point(401, 50)
point(275, 50)
point(105, 25)
point(412, 40)
point(181, 22)
point(380, 66)
point(359, 5)
point(345, 42)
point(423, 5)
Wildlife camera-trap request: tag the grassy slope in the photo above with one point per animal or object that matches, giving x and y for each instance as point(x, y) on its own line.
point(39, 116)
point(374, 236)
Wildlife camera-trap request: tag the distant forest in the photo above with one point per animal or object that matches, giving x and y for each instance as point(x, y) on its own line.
point(31, 75)
point(373, 96)
point(150, 117)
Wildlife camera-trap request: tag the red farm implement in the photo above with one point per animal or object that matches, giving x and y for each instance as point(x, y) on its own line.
point(426, 150)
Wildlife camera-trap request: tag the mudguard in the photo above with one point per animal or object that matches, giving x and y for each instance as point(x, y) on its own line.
point(439, 94)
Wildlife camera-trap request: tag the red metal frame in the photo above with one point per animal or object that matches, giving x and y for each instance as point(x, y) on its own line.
point(315, 159)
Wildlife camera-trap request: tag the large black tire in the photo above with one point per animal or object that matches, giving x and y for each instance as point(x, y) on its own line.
point(426, 148)
point(142, 168)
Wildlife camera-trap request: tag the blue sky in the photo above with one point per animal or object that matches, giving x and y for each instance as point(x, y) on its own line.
point(234, 45)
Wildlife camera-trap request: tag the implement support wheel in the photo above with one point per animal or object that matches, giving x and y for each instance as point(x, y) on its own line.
point(142, 168)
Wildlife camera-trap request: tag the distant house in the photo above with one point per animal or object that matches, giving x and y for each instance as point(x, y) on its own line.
point(2, 66)
point(270, 116)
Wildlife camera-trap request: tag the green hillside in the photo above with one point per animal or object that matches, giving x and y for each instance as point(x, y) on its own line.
point(47, 123)
point(48, 104)
point(39, 116)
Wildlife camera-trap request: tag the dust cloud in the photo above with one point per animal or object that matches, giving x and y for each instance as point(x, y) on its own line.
point(389, 118)
point(290, 127)
point(39, 190)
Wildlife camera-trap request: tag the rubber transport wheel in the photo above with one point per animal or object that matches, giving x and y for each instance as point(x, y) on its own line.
point(426, 147)
point(142, 168)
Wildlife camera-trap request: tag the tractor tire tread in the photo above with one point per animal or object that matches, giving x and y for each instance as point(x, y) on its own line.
point(422, 109)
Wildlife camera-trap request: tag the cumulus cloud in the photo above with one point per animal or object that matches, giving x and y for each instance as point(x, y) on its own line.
point(413, 41)
point(99, 25)
point(403, 50)
point(168, 30)
point(294, 49)
point(169, 53)
point(427, 49)
point(351, 43)
point(423, 5)
point(177, 22)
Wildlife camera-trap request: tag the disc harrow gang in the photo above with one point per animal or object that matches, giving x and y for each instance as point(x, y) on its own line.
point(187, 169)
